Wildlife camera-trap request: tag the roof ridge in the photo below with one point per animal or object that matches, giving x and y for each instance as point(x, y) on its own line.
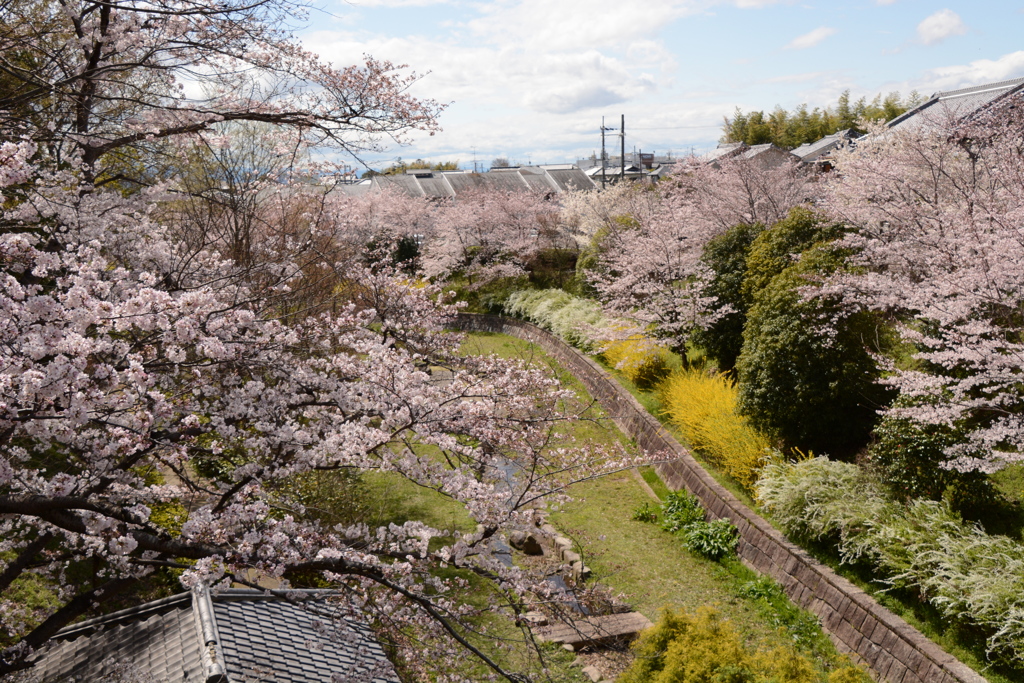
point(984, 87)
point(205, 621)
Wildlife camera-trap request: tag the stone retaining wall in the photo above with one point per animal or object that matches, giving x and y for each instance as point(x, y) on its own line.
point(893, 650)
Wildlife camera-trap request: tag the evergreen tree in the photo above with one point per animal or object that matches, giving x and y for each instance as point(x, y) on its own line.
point(792, 129)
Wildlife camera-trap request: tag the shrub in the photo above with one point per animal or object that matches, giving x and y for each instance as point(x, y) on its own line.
point(571, 318)
point(581, 323)
point(639, 358)
point(818, 499)
point(910, 459)
point(704, 408)
point(645, 513)
point(680, 509)
point(553, 267)
point(726, 255)
point(704, 647)
point(772, 251)
point(807, 376)
point(682, 512)
point(968, 576)
point(713, 540)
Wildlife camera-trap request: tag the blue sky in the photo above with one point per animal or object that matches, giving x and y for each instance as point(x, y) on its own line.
point(531, 79)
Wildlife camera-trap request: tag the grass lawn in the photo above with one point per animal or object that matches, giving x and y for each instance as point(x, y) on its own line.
point(393, 499)
point(648, 566)
point(652, 571)
point(964, 643)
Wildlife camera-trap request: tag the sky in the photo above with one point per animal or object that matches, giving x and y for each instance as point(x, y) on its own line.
point(530, 80)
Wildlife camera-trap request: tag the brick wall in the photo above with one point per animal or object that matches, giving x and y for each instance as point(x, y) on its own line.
point(893, 650)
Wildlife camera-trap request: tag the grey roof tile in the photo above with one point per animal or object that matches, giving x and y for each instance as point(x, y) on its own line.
point(280, 641)
point(406, 183)
point(539, 182)
point(724, 150)
point(956, 104)
point(571, 179)
point(162, 646)
point(454, 183)
point(435, 186)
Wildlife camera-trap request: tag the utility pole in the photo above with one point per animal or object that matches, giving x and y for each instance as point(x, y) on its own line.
point(622, 154)
point(603, 156)
point(622, 139)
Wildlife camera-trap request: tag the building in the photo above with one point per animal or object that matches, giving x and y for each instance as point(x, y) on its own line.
point(229, 636)
point(553, 179)
point(956, 105)
point(820, 152)
point(768, 155)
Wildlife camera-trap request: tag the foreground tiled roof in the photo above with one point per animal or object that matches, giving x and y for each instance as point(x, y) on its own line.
point(228, 637)
point(956, 104)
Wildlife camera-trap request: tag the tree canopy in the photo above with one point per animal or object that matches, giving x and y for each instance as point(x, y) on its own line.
point(190, 329)
point(107, 84)
point(790, 129)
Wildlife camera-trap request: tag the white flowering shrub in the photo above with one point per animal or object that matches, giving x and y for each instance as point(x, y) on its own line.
point(971, 577)
point(574, 319)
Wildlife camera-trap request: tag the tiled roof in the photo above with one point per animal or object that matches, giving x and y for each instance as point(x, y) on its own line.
point(811, 151)
point(454, 183)
point(724, 150)
point(567, 180)
point(539, 182)
point(435, 186)
point(406, 183)
point(956, 104)
point(160, 642)
point(229, 637)
point(757, 150)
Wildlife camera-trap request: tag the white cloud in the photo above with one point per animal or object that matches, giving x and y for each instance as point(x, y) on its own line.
point(651, 53)
point(943, 24)
point(810, 39)
point(498, 77)
point(885, 2)
point(975, 73)
point(573, 98)
point(568, 25)
point(397, 3)
point(755, 4)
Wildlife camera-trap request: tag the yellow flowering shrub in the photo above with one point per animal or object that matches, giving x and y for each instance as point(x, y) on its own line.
point(703, 406)
point(642, 361)
point(703, 647)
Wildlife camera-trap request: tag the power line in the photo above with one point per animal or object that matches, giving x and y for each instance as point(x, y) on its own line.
point(674, 127)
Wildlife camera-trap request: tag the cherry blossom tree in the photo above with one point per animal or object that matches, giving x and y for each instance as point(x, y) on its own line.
point(938, 213)
point(650, 268)
point(589, 214)
point(154, 359)
point(735, 191)
point(486, 235)
point(118, 383)
point(111, 84)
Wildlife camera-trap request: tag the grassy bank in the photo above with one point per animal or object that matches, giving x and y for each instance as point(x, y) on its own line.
point(964, 643)
point(648, 566)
